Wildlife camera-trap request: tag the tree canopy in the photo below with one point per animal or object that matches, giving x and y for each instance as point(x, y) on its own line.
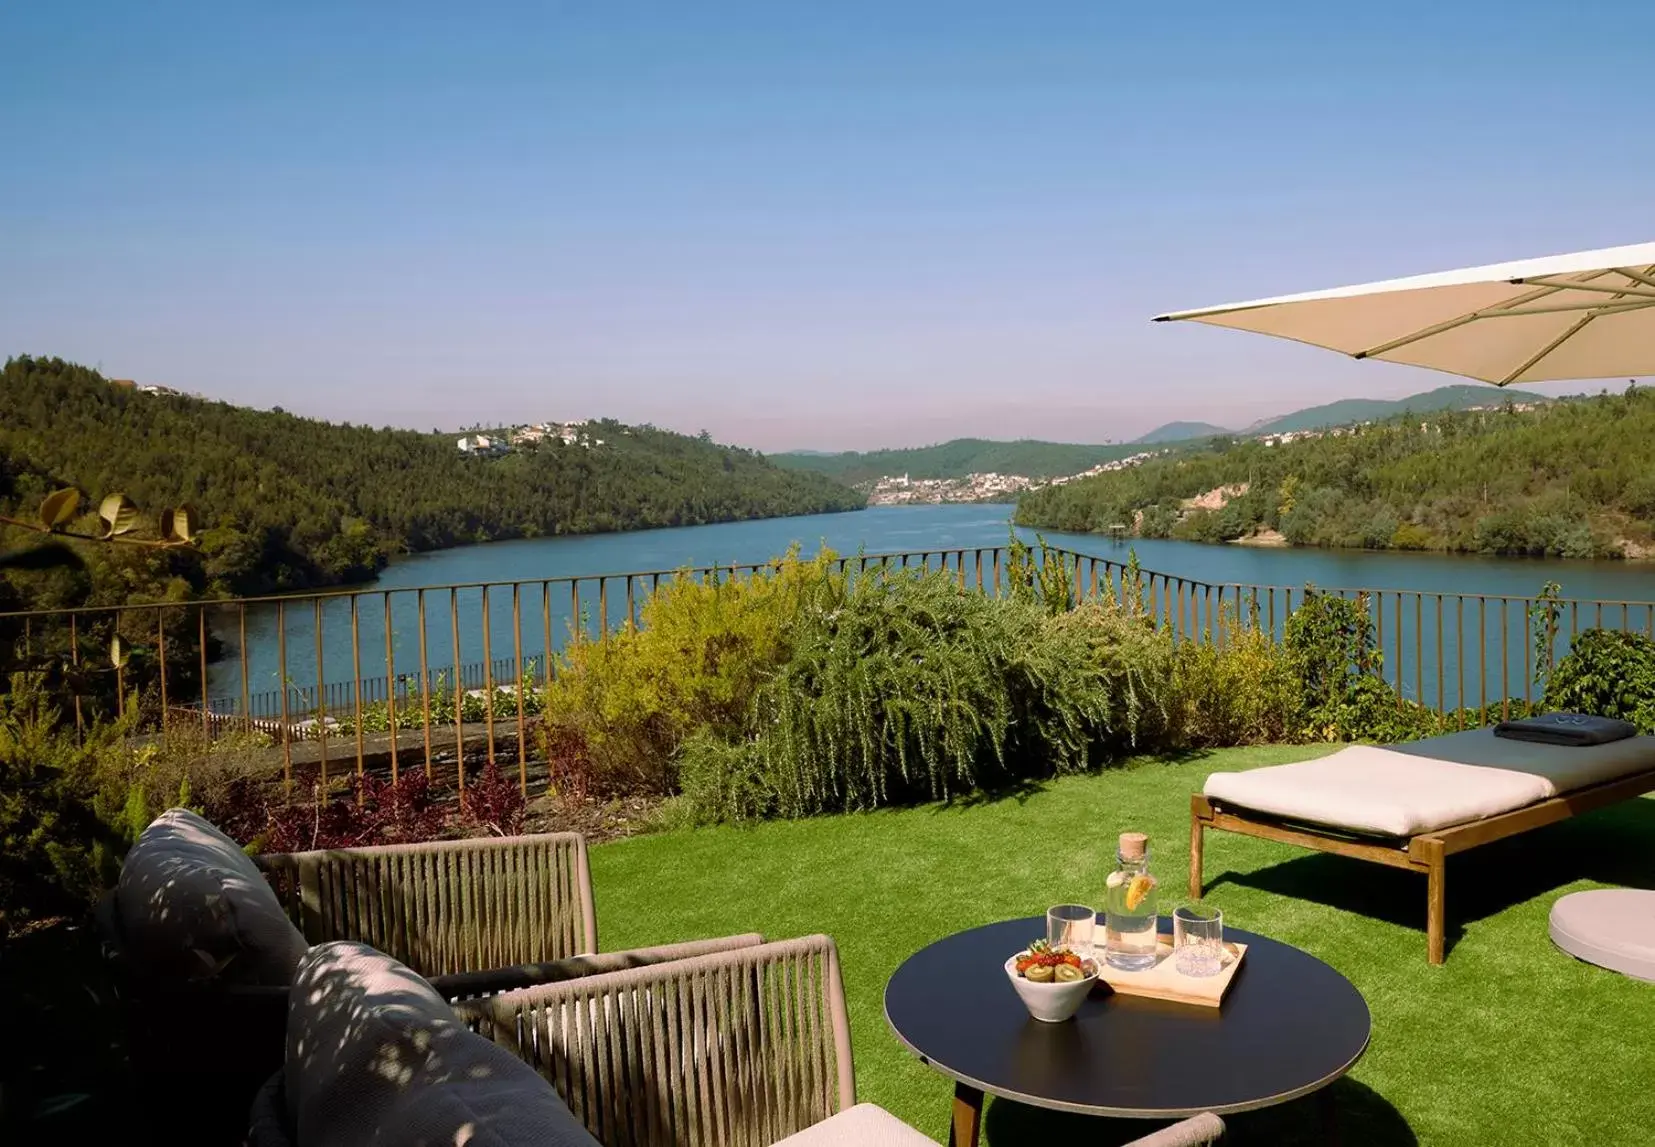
point(290, 503)
point(1569, 479)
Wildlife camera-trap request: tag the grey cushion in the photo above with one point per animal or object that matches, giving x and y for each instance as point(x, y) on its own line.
point(864, 1125)
point(1613, 928)
point(376, 1056)
point(191, 905)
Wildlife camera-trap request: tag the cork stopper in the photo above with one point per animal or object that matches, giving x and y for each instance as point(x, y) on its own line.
point(1133, 845)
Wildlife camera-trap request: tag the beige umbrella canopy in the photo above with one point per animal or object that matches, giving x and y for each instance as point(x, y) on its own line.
point(1587, 315)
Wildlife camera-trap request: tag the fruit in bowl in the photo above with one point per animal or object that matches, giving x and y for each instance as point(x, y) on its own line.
point(1052, 983)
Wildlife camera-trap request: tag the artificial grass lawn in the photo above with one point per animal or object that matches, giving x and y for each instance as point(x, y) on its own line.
point(1509, 1042)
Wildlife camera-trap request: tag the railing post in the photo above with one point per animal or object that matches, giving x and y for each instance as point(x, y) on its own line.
point(356, 683)
point(391, 687)
point(517, 686)
point(281, 669)
point(488, 671)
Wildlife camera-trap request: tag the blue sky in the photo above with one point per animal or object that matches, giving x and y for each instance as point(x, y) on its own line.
point(826, 226)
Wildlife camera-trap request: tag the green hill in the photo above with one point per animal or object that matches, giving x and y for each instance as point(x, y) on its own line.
point(956, 459)
point(1463, 396)
point(1180, 432)
point(289, 502)
point(1570, 479)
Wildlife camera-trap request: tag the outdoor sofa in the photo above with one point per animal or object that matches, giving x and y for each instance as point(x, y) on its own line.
point(1414, 805)
point(746, 1047)
point(206, 941)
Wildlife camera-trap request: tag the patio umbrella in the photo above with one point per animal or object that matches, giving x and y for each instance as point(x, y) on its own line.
point(1587, 315)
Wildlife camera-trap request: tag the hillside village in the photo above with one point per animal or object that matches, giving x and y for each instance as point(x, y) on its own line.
point(905, 491)
point(528, 437)
point(902, 490)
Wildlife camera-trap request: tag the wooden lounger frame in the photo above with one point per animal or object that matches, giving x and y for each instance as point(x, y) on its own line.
point(1427, 853)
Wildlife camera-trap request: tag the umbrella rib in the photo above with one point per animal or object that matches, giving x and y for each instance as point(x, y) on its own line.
point(1573, 330)
point(1639, 303)
point(1646, 276)
point(1543, 290)
point(1458, 321)
point(1619, 292)
point(1643, 297)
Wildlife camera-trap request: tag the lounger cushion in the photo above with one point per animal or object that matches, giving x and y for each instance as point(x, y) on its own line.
point(864, 1125)
point(376, 1056)
point(1613, 928)
point(191, 906)
point(1404, 790)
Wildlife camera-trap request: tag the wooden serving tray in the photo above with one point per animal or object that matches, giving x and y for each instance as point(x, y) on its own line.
point(1165, 982)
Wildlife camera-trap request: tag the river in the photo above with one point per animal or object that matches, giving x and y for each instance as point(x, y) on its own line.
point(876, 530)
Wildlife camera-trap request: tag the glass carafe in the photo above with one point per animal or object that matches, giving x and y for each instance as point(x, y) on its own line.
point(1129, 907)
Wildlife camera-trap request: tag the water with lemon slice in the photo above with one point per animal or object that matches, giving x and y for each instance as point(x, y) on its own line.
point(1129, 909)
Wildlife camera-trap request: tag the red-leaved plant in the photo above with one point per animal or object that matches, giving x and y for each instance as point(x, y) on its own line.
point(494, 802)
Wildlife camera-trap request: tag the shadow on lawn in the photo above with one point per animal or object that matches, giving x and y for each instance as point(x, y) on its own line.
point(1361, 1115)
point(1613, 846)
point(992, 790)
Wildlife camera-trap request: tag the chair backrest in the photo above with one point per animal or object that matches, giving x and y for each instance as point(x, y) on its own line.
point(447, 906)
point(743, 1047)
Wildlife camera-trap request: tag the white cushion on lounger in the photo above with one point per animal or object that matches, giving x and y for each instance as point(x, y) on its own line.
point(1404, 790)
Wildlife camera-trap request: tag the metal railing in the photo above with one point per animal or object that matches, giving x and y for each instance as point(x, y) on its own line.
point(316, 670)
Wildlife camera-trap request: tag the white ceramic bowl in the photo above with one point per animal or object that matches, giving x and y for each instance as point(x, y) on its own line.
point(1050, 1003)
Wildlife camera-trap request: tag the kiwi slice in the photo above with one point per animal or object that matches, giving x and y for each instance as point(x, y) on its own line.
point(1039, 974)
point(1068, 974)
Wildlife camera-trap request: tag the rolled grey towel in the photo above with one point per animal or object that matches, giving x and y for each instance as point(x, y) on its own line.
point(1570, 729)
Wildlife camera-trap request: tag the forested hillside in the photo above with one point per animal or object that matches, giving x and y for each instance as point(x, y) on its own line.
point(289, 502)
point(956, 459)
point(1460, 396)
point(1570, 479)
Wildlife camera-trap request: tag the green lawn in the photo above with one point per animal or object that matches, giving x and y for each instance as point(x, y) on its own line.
point(1509, 1042)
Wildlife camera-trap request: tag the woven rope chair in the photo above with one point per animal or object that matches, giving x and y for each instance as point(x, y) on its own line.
point(740, 1048)
point(446, 907)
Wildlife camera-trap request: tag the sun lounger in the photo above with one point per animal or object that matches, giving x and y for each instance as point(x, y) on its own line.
point(1414, 805)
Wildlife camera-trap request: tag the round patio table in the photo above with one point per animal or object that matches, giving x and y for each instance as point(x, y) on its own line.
point(1289, 1025)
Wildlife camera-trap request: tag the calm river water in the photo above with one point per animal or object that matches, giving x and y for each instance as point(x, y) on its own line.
point(877, 530)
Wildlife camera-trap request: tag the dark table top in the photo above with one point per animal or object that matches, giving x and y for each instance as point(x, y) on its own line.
point(1289, 1025)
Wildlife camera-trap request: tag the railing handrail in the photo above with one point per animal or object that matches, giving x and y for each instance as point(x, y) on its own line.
point(843, 560)
point(308, 596)
point(1116, 563)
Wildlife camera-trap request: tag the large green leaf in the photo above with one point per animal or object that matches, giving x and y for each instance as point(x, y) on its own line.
point(59, 507)
point(180, 523)
point(119, 515)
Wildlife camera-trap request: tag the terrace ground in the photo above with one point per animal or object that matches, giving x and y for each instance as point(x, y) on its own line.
point(1509, 1042)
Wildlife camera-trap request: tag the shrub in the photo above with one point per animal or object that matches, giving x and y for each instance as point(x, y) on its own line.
point(723, 780)
point(896, 689)
point(1241, 693)
point(1331, 652)
point(494, 803)
point(622, 707)
point(1610, 673)
point(903, 686)
point(63, 827)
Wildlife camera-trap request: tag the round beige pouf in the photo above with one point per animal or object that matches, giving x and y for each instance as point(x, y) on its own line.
point(1613, 928)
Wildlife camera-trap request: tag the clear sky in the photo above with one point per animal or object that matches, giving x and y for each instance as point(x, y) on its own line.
point(832, 225)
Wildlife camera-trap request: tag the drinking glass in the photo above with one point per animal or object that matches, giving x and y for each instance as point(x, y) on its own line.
point(1071, 926)
point(1197, 940)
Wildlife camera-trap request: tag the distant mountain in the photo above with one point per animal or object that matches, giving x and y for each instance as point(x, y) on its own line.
point(956, 459)
point(1180, 432)
point(1463, 396)
point(1034, 459)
